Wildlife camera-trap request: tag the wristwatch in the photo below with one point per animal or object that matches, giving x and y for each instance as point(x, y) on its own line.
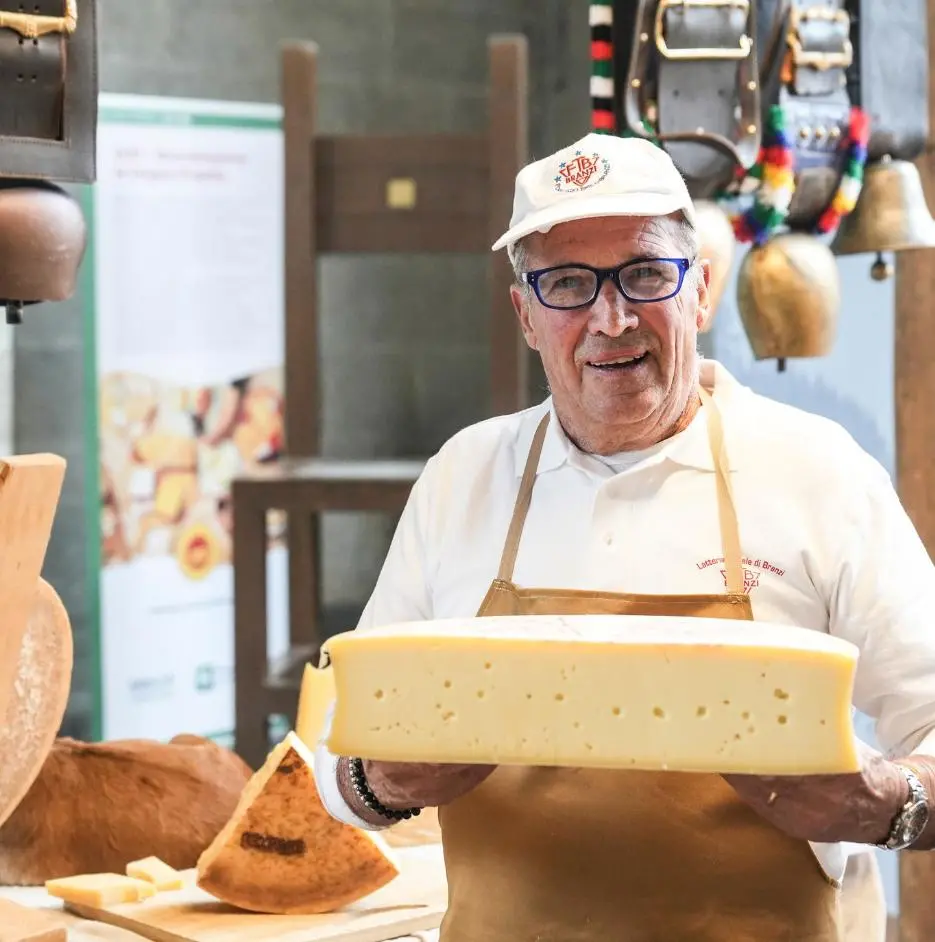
point(911, 819)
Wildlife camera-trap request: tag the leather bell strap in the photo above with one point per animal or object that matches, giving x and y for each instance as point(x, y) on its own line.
point(891, 48)
point(32, 68)
point(700, 58)
point(814, 96)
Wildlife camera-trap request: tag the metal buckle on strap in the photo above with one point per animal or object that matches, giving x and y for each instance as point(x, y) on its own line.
point(32, 26)
point(663, 6)
point(821, 59)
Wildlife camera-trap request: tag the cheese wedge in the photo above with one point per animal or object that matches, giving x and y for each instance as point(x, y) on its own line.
point(625, 692)
point(100, 889)
point(282, 853)
point(315, 698)
point(155, 871)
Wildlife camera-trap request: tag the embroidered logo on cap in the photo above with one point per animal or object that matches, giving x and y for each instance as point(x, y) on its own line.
point(581, 172)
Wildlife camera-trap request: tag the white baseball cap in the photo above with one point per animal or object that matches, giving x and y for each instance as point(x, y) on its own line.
point(599, 175)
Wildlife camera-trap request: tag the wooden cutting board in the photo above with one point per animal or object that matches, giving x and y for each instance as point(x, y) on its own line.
point(414, 901)
point(19, 924)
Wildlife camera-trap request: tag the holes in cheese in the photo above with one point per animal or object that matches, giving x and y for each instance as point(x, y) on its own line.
point(100, 889)
point(282, 853)
point(155, 871)
point(641, 692)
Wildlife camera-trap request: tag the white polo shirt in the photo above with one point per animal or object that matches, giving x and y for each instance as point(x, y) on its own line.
point(826, 543)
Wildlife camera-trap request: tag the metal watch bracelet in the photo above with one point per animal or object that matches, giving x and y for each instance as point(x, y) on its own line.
point(912, 818)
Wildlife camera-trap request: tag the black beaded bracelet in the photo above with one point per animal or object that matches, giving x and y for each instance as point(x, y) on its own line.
point(363, 792)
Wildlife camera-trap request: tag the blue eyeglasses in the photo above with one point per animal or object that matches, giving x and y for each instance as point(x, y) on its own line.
point(641, 280)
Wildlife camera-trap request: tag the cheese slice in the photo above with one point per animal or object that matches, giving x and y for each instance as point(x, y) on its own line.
point(100, 889)
point(157, 872)
point(315, 698)
point(625, 692)
point(282, 853)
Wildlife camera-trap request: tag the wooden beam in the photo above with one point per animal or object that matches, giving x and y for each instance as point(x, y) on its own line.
point(508, 108)
point(299, 71)
point(302, 381)
point(914, 395)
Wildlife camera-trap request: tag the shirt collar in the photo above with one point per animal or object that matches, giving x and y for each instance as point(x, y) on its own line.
point(689, 448)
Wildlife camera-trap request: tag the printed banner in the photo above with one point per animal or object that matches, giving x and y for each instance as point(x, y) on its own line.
point(185, 342)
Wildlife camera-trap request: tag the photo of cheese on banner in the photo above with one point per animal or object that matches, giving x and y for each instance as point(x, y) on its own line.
point(168, 455)
point(637, 692)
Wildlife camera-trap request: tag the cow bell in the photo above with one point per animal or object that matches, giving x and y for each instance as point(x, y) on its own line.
point(43, 237)
point(788, 296)
point(718, 245)
point(890, 216)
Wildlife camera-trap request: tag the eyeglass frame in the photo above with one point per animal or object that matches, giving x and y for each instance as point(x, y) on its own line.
point(602, 274)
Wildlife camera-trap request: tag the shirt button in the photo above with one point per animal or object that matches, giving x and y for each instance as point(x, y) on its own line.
point(609, 539)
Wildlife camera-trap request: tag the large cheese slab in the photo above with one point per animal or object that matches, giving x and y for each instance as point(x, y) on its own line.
point(315, 698)
point(628, 692)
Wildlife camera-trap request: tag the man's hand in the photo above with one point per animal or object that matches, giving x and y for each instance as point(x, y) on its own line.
point(420, 785)
point(402, 785)
point(858, 808)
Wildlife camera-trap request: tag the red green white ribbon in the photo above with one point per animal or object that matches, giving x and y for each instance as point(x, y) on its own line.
point(601, 19)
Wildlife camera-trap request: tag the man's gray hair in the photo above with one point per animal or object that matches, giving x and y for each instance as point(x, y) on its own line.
point(684, 234)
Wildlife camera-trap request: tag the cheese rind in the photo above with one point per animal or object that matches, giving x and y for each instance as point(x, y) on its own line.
point(156, 871)
point(282, 853)
point(625, 692)
point(315, 698)
point(100, 889)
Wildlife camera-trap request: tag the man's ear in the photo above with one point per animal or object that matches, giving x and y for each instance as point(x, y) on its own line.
point(702, 286)
point(520, 298)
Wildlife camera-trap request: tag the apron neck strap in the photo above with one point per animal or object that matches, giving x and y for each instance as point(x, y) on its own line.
point(727, 512)
point(727, 509)
point(523, 499)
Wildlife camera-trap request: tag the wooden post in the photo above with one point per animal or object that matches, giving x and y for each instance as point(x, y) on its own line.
point(299, 81)
point(299, 66)
point(508, 98)
point(915, 444)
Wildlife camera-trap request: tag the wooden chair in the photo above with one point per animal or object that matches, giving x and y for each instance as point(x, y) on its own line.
point(363, 194)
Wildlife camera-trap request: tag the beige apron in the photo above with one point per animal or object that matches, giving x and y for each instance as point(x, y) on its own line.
point(578, 855)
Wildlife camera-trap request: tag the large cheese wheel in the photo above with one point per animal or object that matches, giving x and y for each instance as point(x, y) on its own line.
point(41, 684)
point(626, 692)
point(35, 635)
point(140, 798)
point(30, 486)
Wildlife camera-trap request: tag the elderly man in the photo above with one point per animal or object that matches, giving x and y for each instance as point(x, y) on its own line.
point(651, 482)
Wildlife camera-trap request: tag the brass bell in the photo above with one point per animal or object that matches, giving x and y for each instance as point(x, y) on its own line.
point(788, 296)
point(891, 214)
point(718, 246)
point(43, 237)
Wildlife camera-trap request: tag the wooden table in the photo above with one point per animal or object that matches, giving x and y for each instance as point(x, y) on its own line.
point(417, 832)
point(304, 489)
